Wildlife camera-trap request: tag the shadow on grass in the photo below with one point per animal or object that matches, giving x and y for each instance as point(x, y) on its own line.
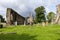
point(58, 39)
point(17, 37)
point(59, 36)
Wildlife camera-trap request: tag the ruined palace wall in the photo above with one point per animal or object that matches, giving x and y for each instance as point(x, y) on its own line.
point(58, 8)
point(13, 17)
point(8, 16)
point(58, 14)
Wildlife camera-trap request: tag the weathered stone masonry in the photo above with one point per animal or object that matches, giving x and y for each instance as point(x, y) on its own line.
point(13, 17)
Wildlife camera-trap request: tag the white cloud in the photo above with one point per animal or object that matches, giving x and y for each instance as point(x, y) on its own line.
point(8, 1)
point(24, 6)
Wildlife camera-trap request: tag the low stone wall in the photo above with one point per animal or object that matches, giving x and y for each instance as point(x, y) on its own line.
point(4, 24)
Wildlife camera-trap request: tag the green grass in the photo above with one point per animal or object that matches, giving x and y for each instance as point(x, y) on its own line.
point(35, 32)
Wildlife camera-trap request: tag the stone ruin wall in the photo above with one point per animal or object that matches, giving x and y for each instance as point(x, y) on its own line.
point(13, 17)
point(58, 13)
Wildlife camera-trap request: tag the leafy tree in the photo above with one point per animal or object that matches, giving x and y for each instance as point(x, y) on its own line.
point(40, 16)
point(50, 16)
point(2, 19)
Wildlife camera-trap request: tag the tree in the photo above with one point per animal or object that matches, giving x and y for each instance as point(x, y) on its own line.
point(2, 19)
point(40, 16)
point(50, 16)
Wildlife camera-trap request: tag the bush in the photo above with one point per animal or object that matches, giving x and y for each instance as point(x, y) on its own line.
point(1, 26)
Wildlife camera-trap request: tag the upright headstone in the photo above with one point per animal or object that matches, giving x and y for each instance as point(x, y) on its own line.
point(46, 23)
point(43, 23)
point(15, 22)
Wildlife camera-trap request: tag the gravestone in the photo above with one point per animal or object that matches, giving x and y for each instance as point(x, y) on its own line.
point(46, 23)
point(15, 23)
point(43, 23)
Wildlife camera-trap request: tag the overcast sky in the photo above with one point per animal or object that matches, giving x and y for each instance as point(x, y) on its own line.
point(24, 7)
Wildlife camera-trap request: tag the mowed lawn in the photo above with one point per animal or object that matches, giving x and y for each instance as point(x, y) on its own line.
point(35, 32)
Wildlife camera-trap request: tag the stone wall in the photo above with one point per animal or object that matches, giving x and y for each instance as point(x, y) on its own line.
point(58, 8)
point(13, 17)
point(58, 14)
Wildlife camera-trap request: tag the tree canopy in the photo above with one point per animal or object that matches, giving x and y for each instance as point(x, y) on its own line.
point(40, 16)
point(2, 19)
point(50, 16)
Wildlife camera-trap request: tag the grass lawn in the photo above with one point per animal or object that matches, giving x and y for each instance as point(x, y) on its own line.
point(35, 32)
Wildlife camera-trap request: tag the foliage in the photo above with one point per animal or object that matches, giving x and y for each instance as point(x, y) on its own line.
point(40, 16)
point(50, 16)
point(2, 19)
